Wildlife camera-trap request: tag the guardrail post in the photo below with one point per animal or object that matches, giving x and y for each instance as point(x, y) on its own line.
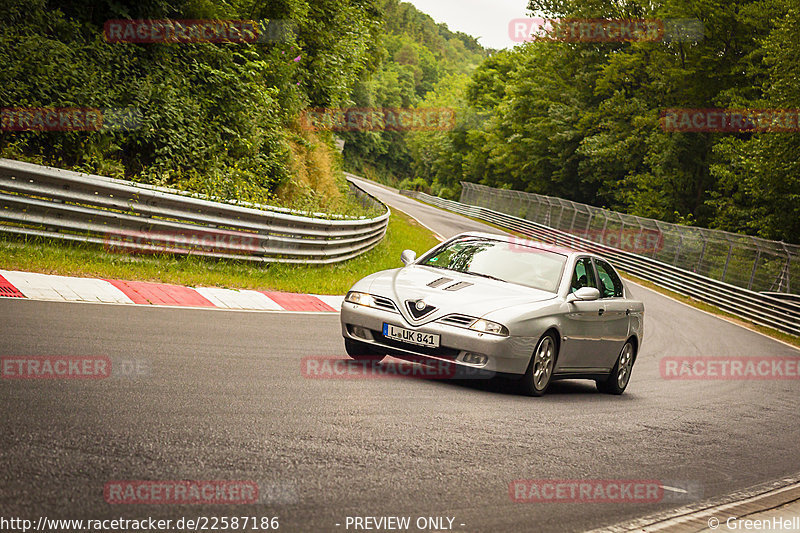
point(605, 223)
point(753, 273)
point(661, 238)
point(537, 202)
point(678, 251)
point(702, 253)
point(520, 200)
point(574, 216)
point(727, 261)
point(787, 270)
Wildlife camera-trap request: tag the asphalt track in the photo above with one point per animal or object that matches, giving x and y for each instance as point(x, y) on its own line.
point(222, 396)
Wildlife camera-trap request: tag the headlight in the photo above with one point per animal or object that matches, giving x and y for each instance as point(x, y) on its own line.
point(487, 326)
point(360, 298)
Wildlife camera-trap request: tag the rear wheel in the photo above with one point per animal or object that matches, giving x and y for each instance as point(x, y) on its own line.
point(620, 375)
point(361, 351)
point(540, 370)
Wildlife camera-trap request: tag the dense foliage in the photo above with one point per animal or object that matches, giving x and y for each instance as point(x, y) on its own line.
point(215, 117)
point(417, 55)
point(581, 120)
point(575, 120)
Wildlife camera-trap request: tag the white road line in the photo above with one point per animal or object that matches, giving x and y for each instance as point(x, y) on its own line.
point(674, 489)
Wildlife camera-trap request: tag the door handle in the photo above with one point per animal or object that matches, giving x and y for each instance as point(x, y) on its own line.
point(601, 311)
point(627, 311)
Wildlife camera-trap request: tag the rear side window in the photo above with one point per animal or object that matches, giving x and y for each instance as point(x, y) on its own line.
point(610, 284)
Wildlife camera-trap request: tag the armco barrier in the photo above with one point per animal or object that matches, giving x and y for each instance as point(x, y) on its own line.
point(49, 202)
point(763, 309)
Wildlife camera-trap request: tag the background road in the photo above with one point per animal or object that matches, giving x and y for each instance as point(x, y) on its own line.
point(444, 223)
point(224, 398)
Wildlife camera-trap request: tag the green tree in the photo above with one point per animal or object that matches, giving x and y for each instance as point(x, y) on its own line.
point(760, 173)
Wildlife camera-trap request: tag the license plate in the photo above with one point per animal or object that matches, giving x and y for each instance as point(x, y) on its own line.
point(430, 340)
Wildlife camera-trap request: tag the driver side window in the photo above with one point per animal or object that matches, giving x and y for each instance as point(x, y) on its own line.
point(583, 276)
point(612, 285)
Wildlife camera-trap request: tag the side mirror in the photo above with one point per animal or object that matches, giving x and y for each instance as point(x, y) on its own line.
point(584, 294)
point(408, 257)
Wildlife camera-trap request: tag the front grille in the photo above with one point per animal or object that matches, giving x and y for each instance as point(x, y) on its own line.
point(444, 352)
point(384, 303)
point(461, 321)
point(411, 305)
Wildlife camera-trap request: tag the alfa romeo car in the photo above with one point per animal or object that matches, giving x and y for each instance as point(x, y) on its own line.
point(503, 305)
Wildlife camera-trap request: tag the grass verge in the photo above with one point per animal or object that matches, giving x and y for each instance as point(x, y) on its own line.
point(50, 256)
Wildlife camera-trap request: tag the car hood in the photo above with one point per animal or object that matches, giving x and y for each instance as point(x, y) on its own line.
point(448, 292)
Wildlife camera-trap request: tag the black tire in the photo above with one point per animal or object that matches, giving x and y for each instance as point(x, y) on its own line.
point(361, 351)
point(620, 375)
point(539, 374)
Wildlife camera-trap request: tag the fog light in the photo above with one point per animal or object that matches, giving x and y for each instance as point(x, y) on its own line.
point(474, 358)
point(361, 333)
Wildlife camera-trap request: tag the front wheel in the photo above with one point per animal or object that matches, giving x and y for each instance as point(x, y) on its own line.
point(361, 351)
point(620, 375)
point(540, 370)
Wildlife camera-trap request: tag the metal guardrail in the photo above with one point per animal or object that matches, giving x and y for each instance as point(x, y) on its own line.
point(763, 309)
point(124, 216)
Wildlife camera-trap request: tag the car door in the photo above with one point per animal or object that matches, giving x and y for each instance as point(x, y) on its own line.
point(583, 325)
point(616, 316)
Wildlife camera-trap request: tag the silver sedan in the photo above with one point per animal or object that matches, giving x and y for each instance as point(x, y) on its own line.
point(500, 305)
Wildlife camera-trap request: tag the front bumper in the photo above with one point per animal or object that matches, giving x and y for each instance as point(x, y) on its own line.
point(504, 355)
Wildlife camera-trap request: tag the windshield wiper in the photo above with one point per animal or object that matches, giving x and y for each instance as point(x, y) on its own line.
point(489, 276)
point(482, 275)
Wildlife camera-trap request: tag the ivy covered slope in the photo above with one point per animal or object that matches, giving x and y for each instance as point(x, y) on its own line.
point(217, 118)
point(224, 118)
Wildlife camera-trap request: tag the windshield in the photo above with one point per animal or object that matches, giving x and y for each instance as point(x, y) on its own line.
point(514, 263)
